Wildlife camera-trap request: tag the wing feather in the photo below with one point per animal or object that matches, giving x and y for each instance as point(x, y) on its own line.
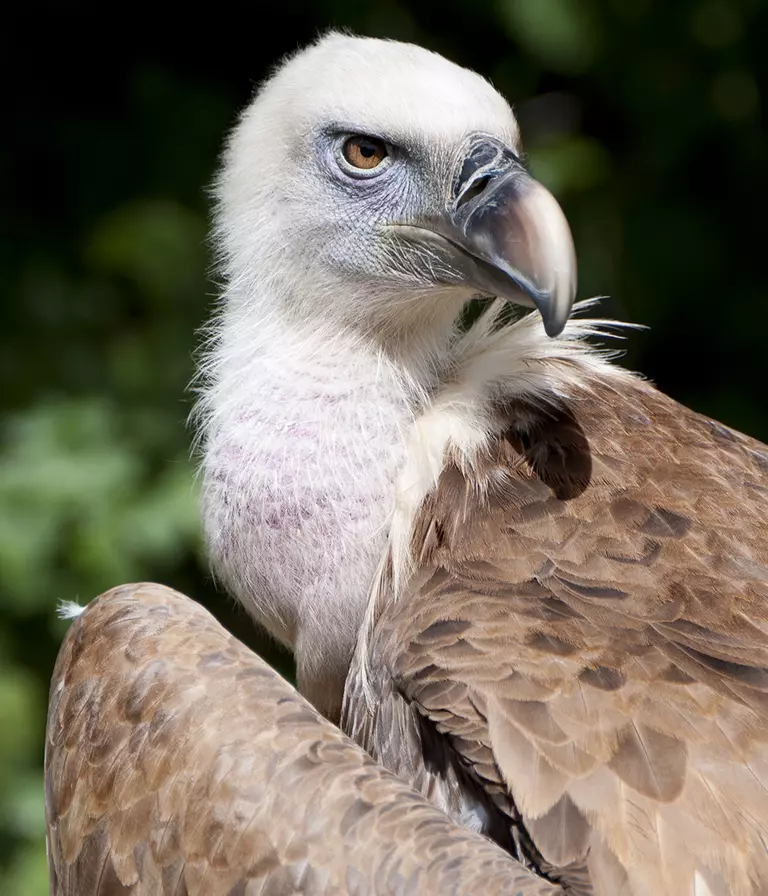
point(179, 764)
point(595, 581)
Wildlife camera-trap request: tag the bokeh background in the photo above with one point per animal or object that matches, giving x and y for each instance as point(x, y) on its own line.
point(643, 116)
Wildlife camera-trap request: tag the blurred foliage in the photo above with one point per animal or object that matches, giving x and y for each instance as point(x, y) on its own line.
point(643, 116)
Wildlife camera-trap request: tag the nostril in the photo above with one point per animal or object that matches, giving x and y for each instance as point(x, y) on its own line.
point(475, 190)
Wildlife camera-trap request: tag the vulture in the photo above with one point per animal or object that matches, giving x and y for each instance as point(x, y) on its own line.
point(524, 581)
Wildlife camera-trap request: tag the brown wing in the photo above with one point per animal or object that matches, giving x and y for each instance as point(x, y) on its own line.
point(179, 764)
point(587, 633)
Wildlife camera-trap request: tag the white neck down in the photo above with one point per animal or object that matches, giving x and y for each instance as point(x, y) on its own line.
point(303, 437)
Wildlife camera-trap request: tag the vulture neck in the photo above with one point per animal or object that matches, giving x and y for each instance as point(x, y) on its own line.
point(305, 434)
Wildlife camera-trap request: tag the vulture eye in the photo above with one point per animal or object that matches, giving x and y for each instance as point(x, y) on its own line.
point(364, 154)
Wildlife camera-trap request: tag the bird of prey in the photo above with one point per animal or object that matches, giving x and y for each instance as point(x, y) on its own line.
point(179, 764)
point(521, 577)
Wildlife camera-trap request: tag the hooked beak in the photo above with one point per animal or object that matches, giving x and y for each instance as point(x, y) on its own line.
point(504, 234)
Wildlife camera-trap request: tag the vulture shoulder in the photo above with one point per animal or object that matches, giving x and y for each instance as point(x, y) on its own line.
point(580, 640)
point(179, 764)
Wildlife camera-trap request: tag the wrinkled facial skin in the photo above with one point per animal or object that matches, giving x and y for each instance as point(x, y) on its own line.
point(405, 189)
point(467, 217)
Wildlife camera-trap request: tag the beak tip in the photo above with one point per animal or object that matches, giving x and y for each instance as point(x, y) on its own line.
point(554, 315)
point(553, 327)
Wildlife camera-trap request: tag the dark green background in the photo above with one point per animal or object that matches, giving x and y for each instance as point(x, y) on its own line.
point(643, 116)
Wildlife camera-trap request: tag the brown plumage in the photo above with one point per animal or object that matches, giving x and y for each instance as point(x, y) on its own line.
point(585, 630)
point(179, 764)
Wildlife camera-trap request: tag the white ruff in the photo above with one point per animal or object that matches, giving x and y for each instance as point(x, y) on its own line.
point(515, 359)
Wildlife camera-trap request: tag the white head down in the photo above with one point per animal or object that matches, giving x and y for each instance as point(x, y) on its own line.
point(351, 184)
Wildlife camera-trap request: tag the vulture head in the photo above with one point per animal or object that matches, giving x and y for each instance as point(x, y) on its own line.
point(378, 186)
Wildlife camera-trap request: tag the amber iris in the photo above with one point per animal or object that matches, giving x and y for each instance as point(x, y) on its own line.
point(365, 153)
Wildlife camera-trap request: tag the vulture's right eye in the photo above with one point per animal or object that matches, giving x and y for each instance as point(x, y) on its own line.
point(363, 156)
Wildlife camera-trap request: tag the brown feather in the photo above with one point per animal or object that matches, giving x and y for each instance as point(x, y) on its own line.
point(598, 591)
point(179, 764)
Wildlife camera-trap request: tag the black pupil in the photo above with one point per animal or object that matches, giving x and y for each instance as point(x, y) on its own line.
point(367, 149)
